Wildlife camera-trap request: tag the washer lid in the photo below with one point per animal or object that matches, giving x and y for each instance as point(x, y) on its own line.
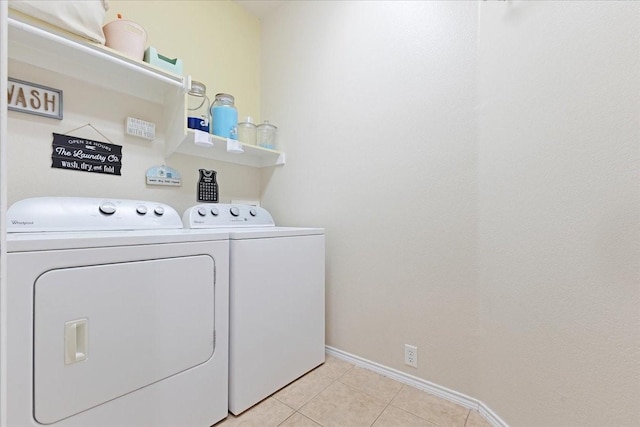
point(269, 232)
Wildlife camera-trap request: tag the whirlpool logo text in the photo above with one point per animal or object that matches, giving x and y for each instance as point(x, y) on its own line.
point(17, 222)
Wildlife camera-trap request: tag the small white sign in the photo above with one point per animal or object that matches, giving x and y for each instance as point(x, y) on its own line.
point(35, 99)
point(163, 175)
point(140, 128)
point(164, 181)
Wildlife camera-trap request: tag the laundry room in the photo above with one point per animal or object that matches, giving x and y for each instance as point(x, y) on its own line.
point(93, 110)
point(472, 165)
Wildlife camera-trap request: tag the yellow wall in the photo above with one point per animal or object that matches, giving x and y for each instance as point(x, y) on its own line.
point(226, 34)
point(218, 42)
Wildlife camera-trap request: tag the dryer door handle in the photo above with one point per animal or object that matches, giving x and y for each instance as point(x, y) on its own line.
point(75, 341)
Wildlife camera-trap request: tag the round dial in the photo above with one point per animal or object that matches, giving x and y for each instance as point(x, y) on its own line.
point(234, 211)
point(214, 211)
point(108, 208)
point(159, 210)
point(253, 212)
point(202, 211)
point(142, 209)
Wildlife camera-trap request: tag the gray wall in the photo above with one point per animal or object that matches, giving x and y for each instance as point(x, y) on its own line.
point(476, 167)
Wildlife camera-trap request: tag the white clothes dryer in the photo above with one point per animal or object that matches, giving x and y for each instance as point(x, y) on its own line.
point(276, 299)
point(116, 316)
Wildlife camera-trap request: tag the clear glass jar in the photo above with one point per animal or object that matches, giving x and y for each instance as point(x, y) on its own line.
point(247, 131)
point(267, 135)
point(224, 116)
point(198, 107)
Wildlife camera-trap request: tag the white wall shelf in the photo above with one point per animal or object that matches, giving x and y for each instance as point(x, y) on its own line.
point(93, 63)
point(252, 155)
point(107, 68)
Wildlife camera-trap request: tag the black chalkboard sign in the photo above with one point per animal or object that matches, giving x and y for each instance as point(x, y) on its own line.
point(70, 152)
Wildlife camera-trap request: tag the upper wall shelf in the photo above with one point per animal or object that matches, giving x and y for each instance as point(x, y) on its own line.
point(93, 63)
point(107, 68)
point(252, 156)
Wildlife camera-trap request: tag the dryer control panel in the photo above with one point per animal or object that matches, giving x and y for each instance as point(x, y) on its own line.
point(219, 215)
point(89, 214)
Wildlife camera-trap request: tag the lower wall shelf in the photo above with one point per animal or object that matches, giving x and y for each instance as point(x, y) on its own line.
point(229, 152)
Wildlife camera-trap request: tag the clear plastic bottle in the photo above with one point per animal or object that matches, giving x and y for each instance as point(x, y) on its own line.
point(198, 107)
point(224, 116)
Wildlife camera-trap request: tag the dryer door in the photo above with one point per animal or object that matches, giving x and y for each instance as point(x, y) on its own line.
point(102, 331)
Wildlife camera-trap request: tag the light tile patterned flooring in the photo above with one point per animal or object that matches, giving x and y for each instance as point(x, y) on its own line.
point(339, 394)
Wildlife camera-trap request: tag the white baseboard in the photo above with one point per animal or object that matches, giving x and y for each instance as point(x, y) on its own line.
point(419, 383)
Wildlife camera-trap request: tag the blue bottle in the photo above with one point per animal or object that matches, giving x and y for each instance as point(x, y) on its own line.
point(224, 116)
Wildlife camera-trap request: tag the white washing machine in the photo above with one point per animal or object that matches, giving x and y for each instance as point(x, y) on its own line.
point(276, 299)
point(116, 316)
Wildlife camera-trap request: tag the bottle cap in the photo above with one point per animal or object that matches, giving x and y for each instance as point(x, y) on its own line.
point(266, 124)
point(197, 88)
point(225, 97)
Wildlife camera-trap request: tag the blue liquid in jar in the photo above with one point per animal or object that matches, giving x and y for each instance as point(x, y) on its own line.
point(225, 121)
point(199, 123)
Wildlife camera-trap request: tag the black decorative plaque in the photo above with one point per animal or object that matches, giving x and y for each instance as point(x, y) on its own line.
point(207, 186)
point(86, 155)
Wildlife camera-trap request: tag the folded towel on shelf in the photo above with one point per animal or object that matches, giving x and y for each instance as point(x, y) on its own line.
point(84, 18)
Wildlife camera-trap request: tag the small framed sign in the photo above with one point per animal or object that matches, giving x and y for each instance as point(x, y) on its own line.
point(35, 99)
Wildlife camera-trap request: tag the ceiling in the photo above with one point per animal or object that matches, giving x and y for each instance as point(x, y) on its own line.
point(259, 8)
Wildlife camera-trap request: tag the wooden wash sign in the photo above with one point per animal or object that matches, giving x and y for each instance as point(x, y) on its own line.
point(34, 99)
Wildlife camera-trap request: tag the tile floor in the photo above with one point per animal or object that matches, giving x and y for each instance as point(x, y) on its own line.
point(339, 394)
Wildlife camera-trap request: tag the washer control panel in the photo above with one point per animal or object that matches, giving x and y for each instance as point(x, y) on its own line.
point(219, 215)
point(89, 214)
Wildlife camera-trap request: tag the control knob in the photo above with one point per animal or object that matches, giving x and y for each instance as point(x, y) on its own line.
point(107, 208)
point(214, 211)
point(142, 209)
point(253, 212)
point(234, 211)
point(202, 211)
point(159, 210)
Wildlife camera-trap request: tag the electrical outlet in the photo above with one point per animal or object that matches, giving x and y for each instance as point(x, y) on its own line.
point(411, 355)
